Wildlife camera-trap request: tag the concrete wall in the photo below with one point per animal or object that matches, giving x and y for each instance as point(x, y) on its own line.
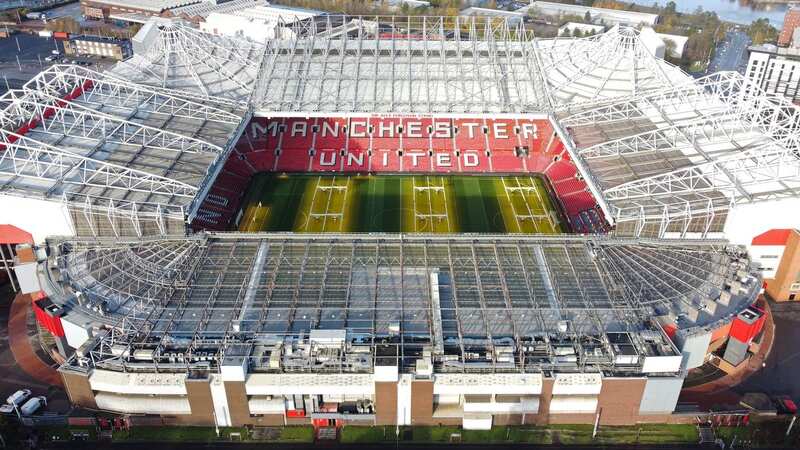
point(78, 389)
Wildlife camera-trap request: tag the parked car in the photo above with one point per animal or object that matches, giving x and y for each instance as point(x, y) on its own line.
point(19, 397)
point(33, 405)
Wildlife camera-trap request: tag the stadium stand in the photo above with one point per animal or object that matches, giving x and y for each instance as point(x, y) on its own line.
point(404, 144)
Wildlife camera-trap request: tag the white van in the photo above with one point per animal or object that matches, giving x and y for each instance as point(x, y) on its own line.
point(33, 405)
point(19, 397)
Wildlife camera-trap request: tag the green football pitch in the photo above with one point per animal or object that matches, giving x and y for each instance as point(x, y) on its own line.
point(417, 204)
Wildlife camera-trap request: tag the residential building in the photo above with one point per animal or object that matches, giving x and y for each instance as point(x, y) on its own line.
point(778, 253)
point(790, 22)
point(776, 70)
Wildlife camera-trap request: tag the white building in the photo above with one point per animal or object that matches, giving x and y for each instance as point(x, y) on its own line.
point(257, 23)
point(776, 70)
point(585, 28)
point(513, 17)
point(606, 16)
point(679, 41)
point(410, 3)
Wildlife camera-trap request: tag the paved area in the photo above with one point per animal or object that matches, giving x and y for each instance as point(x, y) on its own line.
point(19, 339)
point(18, 354)
point(773, 371)
point(781, 374)
point(69, 10)
point(728, 389)
point(22, 56)
point(731, 54)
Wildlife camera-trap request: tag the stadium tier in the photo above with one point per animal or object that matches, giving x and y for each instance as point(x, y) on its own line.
point(276, 323)
point(395, 145)
point(435, 125)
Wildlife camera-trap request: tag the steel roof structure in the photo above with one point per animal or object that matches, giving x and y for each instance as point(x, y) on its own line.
point(663, 154)
point(459, 295)
point(675, 160)
point(122, 154)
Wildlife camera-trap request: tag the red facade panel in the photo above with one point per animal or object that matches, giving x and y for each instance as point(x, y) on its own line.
point(748, 324)
point(47, 320)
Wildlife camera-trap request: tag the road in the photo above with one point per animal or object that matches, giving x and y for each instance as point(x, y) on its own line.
point(731, 53)
point(23, 55)
point(31, 51)
point(13, 377)
point(779, 376)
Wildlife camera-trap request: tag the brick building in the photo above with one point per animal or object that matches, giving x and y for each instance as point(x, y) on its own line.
point(778, 252)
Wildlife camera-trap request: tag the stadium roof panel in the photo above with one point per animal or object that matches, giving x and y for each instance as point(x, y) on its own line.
point(107, 144)
point(449, 292)
point(175, 56)
point(680, 157)
point(662, 153)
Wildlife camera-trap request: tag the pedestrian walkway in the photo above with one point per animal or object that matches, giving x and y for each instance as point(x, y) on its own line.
point(719, 390)
point(21, 345)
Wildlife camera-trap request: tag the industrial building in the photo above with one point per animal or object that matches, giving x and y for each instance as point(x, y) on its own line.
point(98, 46)
point(159, 309)
point(776, 69)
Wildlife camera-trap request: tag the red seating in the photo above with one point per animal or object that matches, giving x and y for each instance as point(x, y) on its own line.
point(534, 134)
point(293, 160)
point(385, 161)
point(328, 160)
point(236, 165)
point(265, 134)
point(444, 161)
point(358, 134)
point(537, 162)
point(569, 186)
point(474, 161)
point(502, 134)
point(469, 134)
point(262, 161)
point(561, 170)
point(401, 144)
point(298, 134)
point(442, 135)
point(507, 162)
point(331, 133)
point(385, 133)
point(415, 161)
point(416, 134)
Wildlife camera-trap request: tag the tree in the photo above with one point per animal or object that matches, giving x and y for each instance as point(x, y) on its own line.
point(587, 18)
point(760, 31)
point(670, 49)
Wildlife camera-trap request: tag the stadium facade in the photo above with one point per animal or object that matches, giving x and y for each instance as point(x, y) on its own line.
point(159, 311)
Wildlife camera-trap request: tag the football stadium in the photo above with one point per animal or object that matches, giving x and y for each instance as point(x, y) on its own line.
point(391, 221)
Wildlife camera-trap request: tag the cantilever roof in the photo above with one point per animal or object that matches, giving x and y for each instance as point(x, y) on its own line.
point(449, 65)
point(175, 56)
point(674, 160)
point(95, 139)
point(449, 291)
point(666, 154)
